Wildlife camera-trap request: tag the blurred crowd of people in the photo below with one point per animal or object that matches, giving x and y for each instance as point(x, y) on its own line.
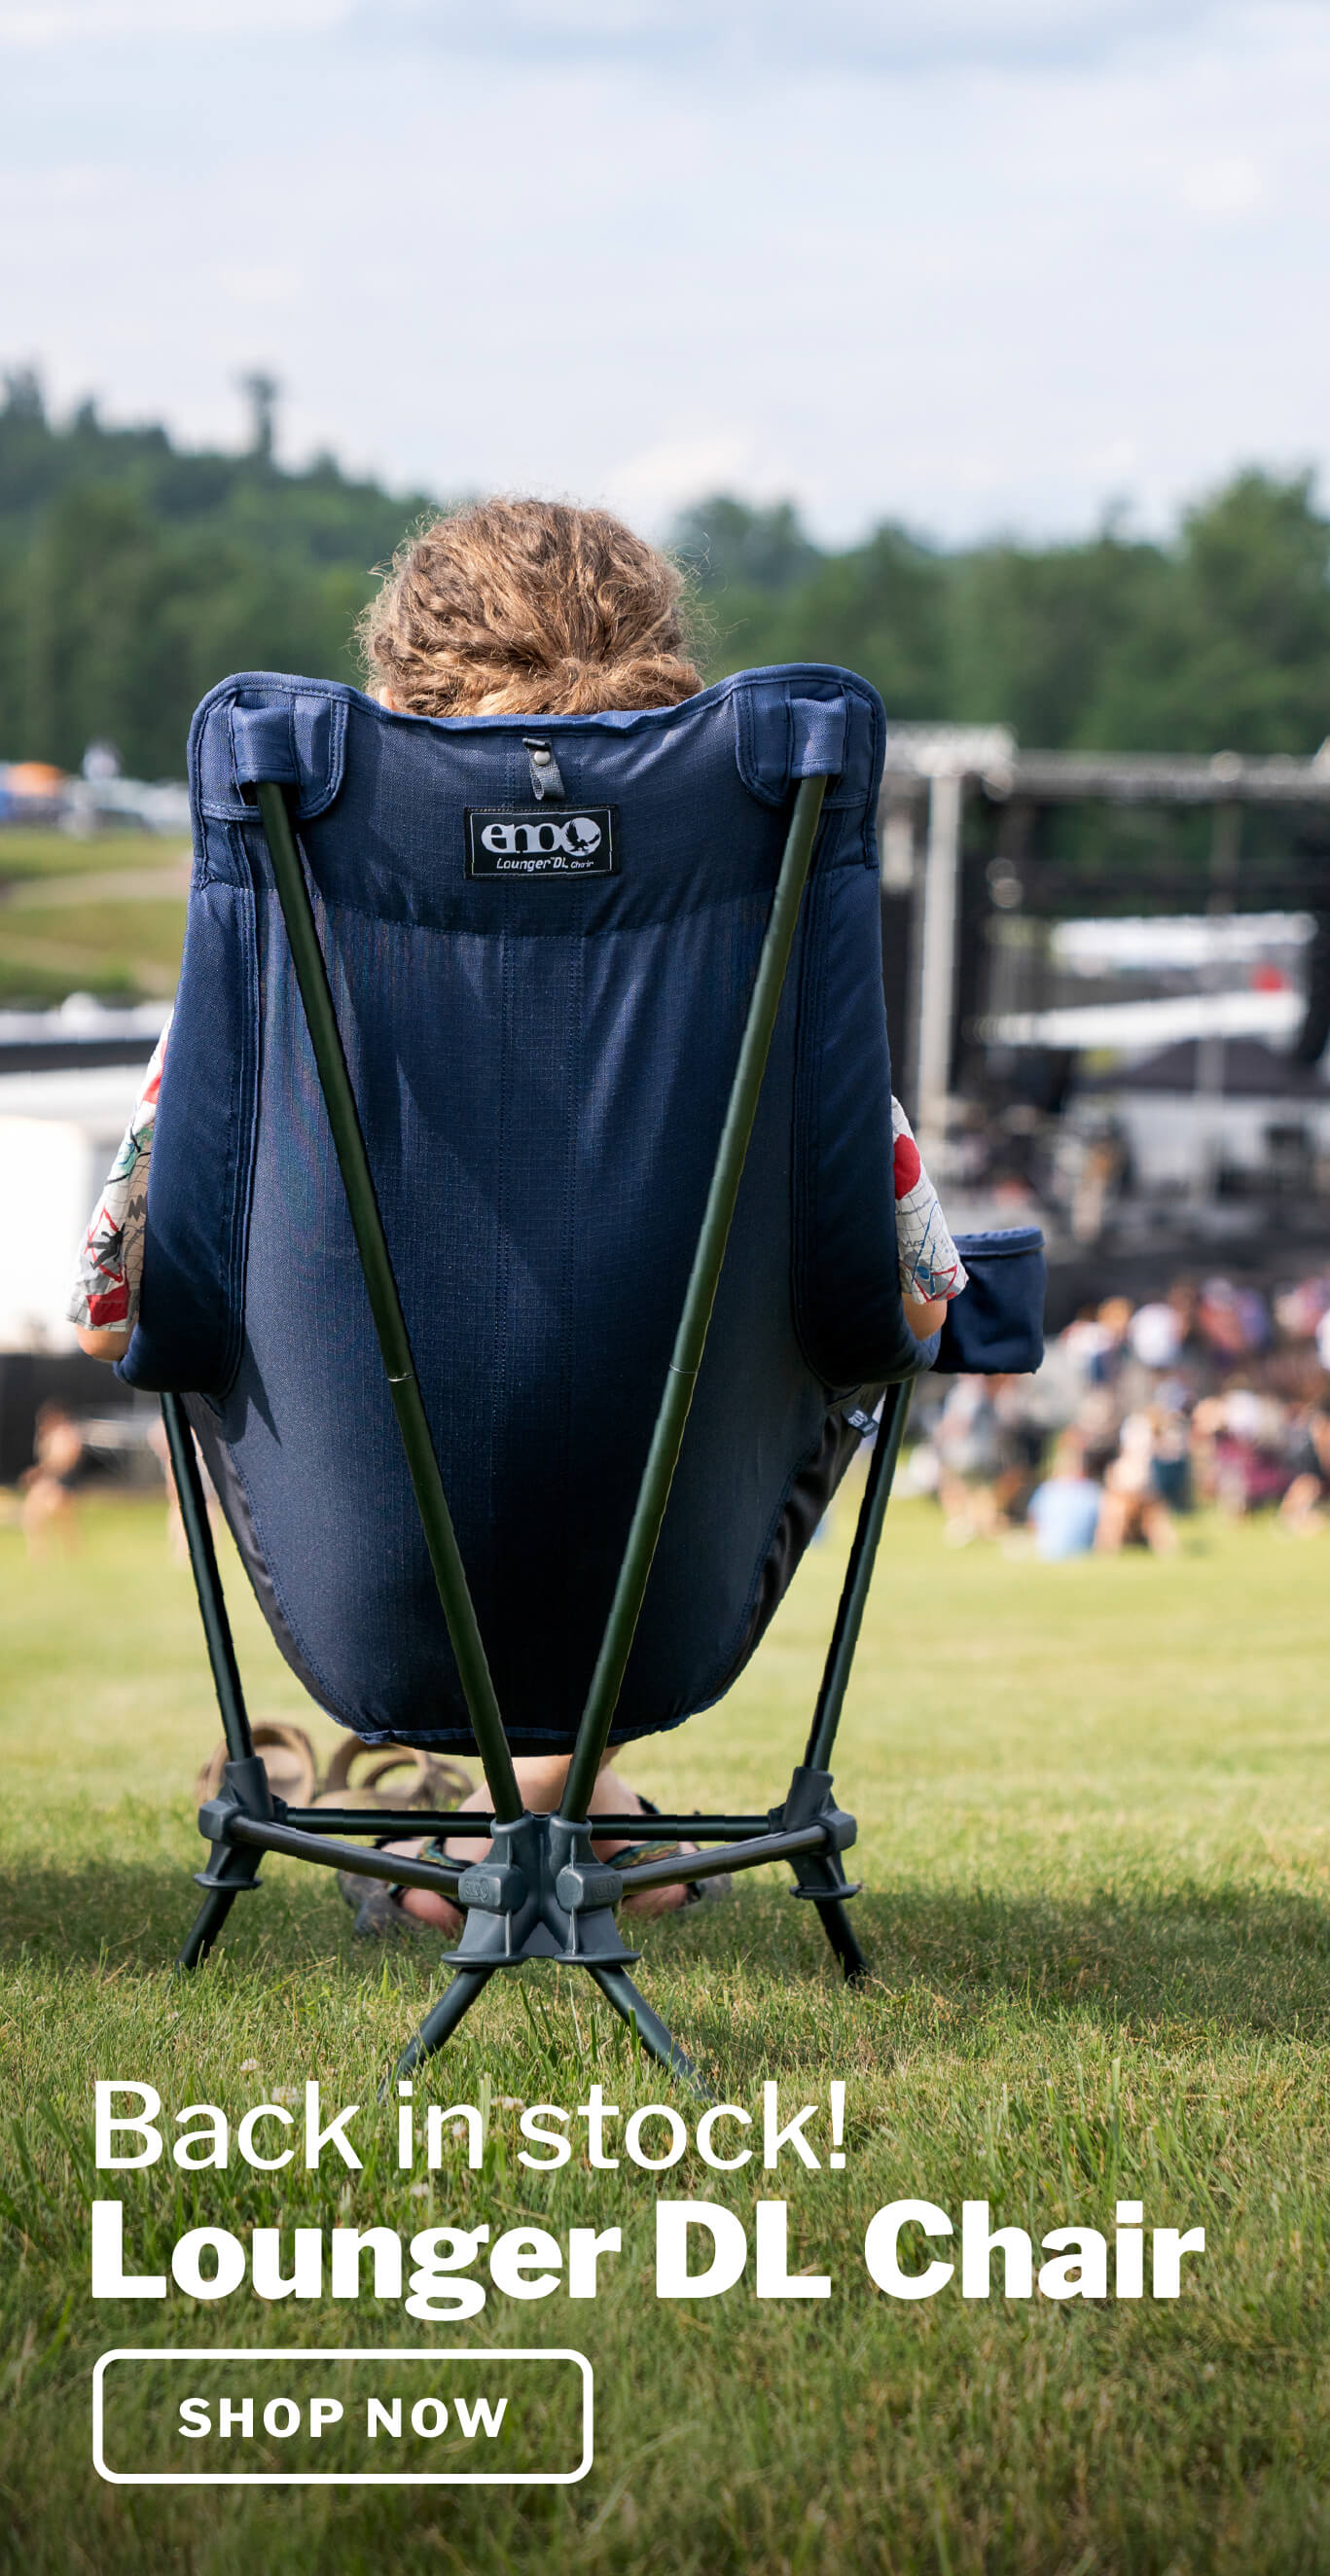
point(74, 1451)
point(1213, 1394)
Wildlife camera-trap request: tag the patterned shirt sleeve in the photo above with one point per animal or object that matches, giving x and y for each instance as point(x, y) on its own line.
point(930, 1264)
point(110, 1264)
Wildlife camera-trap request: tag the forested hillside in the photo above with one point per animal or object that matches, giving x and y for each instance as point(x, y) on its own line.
point(133, 574)
point(1220, 639)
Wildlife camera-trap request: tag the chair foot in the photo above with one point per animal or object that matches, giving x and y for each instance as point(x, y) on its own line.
point(206, 1925)
point(440, 2023)
point(616, 1986)
point(837, 1926)
point(618, 1989)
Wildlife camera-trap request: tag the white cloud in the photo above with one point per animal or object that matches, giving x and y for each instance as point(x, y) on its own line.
point(965, 294)
point(42, 23)
point(1115, 460)
point(862, 35)
point(662, 477)
point(1230, 185)
point(770, 37)
point(259, 285)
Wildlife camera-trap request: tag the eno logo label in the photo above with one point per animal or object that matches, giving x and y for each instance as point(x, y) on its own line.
point(541, 844)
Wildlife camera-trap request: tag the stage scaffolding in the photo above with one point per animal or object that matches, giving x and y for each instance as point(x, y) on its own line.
point(972, 828)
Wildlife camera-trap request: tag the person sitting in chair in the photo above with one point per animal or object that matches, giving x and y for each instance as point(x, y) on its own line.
point(509, 607)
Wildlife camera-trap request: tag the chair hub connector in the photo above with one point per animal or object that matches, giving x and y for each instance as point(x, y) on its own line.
point(540, 1893)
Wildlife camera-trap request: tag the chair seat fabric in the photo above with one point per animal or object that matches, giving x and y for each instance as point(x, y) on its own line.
point(541, 1056)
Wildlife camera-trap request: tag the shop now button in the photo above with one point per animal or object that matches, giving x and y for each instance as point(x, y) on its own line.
point(303, 2417)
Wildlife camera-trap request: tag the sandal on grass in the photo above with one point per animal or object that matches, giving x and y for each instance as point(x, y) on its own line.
point(377, 1904)
point(362, 1775)
point(696, 1891)
point(287, 1756)
point(359, 1775)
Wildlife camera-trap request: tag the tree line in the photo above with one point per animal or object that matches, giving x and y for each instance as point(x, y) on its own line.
point(134, 573)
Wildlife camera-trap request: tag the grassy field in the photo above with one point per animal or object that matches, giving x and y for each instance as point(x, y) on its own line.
point(1095, 1803)
point(103, 916)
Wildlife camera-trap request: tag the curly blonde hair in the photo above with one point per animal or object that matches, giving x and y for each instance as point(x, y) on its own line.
point(528, 608)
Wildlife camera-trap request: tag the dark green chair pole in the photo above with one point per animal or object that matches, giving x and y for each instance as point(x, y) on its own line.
point(690, 1340)
point(386, 1305)
point(207, 1581)
point(194, 1521)
point(858, 1576)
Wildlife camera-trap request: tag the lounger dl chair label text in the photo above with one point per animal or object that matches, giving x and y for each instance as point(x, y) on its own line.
point(533, 842)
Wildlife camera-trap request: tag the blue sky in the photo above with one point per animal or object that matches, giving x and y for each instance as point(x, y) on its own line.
point(972, 266)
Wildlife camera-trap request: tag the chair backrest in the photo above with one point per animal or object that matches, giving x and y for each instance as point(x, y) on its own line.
point(541, 1004)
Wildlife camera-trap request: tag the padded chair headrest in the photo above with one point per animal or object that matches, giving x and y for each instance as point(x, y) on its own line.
point(806, 721)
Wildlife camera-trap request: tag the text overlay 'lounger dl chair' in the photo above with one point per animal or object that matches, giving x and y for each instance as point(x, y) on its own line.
point(524, 1165)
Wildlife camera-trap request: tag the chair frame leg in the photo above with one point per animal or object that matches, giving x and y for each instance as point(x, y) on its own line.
point(540, 1891)
point(858, 1577)
point(207, 1579)
point(840, 1932)
point(442, 2018)
point(818, 1877)
point(238, 1873)
point(207, 1924)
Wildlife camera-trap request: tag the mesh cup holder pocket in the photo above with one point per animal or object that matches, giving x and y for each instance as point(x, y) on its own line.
point(996, 1326)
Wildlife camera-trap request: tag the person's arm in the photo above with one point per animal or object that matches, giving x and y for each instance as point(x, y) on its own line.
point(922, 1314)
point(108, 1342)
point(931, 1269)
point(104, 1304)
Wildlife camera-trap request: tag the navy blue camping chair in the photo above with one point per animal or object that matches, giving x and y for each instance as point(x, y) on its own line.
point(492, 1035)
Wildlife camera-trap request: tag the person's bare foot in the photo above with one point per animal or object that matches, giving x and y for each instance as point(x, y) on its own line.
point(541, 1782)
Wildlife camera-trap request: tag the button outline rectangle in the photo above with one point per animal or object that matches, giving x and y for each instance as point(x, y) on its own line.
point(336, 2477)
